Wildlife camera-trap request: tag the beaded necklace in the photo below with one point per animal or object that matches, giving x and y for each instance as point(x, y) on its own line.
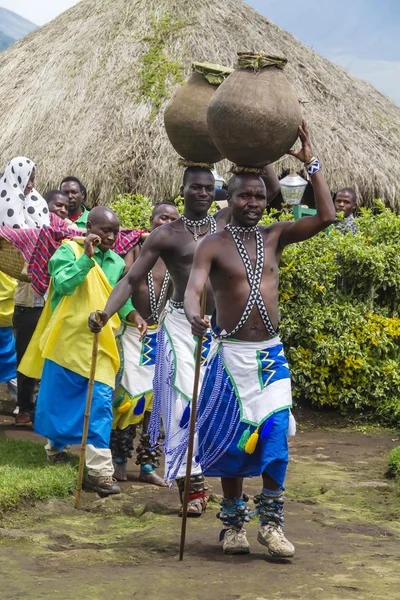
point(154, 305)
point(254, 277)
point(208, 220)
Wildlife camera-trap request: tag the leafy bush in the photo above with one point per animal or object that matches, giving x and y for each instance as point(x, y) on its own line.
point(339, 300)
point(394, 463)
point(133, 210)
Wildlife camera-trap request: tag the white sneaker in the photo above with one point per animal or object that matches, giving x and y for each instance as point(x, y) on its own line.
point(273, 538)
point(235, 542)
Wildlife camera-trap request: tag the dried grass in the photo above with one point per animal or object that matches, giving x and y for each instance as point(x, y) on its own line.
point(63, 104)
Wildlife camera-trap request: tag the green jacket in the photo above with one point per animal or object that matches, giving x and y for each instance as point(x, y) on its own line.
point(68, 273)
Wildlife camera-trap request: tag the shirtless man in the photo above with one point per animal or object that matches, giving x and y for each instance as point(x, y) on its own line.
point(133, 399)
point(244, 405)
point(175, 244)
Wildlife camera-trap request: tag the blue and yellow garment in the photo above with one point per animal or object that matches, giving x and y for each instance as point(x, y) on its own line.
point(8, 358)
point(61, 347)
point(134, 395)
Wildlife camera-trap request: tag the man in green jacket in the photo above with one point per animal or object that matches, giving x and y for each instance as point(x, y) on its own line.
point(76, 192)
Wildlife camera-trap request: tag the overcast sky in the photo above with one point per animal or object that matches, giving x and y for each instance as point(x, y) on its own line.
point(361, 35)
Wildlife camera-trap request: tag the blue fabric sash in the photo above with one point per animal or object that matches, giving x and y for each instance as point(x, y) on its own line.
point(8, 358)
point(61, 405)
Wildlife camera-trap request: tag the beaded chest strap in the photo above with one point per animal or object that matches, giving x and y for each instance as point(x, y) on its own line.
point(254, 277)
point(154, 305)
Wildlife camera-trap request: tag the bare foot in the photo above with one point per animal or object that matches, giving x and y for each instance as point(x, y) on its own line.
point(152, 478)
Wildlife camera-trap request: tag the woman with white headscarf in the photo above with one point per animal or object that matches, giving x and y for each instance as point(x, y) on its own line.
point(21, 206)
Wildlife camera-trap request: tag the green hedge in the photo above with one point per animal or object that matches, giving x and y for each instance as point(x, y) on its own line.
point(340, 321)
point(394, 463)
point(339, 305)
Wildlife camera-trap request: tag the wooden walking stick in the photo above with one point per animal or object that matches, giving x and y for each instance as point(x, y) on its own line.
point(192, 428)
point(87, 418)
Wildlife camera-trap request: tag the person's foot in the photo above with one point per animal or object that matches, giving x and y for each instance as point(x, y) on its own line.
point(23, 419)
point(152, 478)
point(273, 538)
point(235, 542)
point(120, 471)
point(196, 507)
point(59, 459)
point(105, 486)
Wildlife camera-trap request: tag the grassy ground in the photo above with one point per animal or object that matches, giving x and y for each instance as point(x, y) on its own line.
point(342, 515)
point(27, 476)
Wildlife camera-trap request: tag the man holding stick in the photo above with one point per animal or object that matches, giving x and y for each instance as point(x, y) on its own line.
point(244, 405)
point(175, 244)
point(60, 352)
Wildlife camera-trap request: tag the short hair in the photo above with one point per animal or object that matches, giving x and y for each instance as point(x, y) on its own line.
point(51, 193)
point(236, 179)
point(76, 180)
point(190, 170)
point(163, 203)
point(350, 191)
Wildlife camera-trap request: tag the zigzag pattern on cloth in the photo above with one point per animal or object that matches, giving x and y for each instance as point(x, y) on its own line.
point(149, 351)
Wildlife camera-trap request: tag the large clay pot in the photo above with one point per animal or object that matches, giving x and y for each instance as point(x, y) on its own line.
point(254, 116)
point(185, 117)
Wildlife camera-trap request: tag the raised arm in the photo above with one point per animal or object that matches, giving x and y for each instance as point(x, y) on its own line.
point(124, 288)
point(271, 182)
point(202, 261)
point(307, 227)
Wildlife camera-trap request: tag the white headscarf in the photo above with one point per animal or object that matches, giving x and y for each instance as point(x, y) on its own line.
point(16, 209)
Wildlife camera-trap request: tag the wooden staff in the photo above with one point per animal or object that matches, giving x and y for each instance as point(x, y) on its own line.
point(192, 428)
point(87, 419)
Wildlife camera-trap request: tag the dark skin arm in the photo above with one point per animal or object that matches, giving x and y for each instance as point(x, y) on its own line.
point(131, 257)
point(123, 290)
point(271, 182)
point(201, 268)
point(303, 229)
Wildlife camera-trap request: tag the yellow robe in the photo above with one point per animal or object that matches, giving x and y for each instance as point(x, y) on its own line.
point(64, 336)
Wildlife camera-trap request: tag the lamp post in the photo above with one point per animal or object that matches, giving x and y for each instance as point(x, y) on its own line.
point(293, 187)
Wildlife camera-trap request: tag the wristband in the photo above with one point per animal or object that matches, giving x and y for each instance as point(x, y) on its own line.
point(313, 167)
point(308, 162)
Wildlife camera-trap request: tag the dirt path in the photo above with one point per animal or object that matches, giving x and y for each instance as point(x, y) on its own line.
point(341, 513)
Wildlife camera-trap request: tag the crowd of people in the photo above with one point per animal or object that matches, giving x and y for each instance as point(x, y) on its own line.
point(145, 302)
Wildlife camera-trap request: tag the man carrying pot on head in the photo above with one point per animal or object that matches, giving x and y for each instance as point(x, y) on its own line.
point(175, 244)
point(244, 405)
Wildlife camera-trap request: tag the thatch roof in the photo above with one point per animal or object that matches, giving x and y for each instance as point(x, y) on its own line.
point(76, 99)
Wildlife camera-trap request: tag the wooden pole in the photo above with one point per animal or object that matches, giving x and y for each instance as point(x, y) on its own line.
point(192, 429)
point(87, 419)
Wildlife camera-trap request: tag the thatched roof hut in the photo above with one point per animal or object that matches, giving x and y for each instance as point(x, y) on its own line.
point(85, 94)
